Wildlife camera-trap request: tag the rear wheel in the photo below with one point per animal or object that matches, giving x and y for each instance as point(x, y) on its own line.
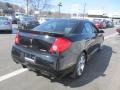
point(10, 31)
point(79, 68)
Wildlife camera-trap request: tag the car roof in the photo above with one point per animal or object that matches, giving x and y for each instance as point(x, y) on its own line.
point(79, 20)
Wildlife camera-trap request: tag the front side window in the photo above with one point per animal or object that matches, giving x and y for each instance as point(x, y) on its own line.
point(95, 30)
point(88, 28)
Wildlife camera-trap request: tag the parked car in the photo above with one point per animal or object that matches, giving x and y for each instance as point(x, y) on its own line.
point(103, 23)
point(18, 15)
point(5, 24)
point(98, 24)
point(12, 18)
point(118, 30)
point(57, 47)
point(27, 22)
point(15, 20)
point(109, 24)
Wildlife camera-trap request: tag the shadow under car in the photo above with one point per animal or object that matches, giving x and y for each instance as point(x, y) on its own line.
point(95, 68)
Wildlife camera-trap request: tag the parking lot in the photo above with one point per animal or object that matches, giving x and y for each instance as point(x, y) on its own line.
point(101, 73)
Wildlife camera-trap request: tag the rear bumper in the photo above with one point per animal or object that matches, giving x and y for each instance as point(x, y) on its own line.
point(43, 62)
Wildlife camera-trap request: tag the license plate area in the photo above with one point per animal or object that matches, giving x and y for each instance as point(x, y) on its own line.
point(30, 58)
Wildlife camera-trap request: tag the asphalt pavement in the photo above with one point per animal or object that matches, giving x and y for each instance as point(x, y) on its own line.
point(101, 73)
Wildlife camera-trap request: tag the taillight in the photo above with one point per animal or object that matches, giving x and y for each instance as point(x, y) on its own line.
point(17, 38)
point(60, 45)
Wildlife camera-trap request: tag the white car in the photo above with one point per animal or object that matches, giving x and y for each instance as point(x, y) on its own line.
point(19, 15)
point(5, 23)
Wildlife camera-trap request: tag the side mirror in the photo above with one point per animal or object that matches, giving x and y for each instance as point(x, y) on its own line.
point(101, 31)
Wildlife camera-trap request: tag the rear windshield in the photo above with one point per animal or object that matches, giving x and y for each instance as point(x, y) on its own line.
point(57, 26)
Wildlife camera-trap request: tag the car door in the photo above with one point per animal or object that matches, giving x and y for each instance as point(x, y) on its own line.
point(90, 37)
point(98, 36)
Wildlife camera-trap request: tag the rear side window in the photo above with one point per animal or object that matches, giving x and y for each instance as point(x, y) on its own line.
point(78, 28)
point(57, 26)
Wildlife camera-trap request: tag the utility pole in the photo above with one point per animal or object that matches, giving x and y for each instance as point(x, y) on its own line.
point(59, 5)
point(84, 9)
point(27, 7)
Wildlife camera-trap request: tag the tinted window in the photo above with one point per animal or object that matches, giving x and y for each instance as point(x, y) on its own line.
point(57, 26)
point(78, 28)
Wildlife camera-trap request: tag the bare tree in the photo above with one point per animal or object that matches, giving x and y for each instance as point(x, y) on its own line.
point(40, 4)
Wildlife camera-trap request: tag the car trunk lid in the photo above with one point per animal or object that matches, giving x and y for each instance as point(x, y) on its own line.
point(36, 40)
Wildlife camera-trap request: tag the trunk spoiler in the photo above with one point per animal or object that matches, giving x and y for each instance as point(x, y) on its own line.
point(42, 33)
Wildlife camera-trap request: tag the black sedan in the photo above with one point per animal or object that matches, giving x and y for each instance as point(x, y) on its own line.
point(57, 47)
point(27, 22)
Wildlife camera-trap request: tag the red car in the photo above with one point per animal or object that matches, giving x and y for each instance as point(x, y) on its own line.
point(118, 30)
point(98, 24)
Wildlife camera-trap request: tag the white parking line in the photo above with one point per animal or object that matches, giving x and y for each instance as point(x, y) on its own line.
point(17, 72)
point(7, 76)
point(112, 35)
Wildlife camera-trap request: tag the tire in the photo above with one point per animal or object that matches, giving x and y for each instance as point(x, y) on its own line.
point(10, 31)
point(80, 65)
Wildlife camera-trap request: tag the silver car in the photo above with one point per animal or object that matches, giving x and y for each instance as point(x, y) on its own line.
point(5, 24)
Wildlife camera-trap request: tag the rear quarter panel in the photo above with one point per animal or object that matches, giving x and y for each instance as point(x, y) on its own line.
point(70, 56)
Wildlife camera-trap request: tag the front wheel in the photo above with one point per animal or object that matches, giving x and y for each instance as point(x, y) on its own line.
point(80, 65)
